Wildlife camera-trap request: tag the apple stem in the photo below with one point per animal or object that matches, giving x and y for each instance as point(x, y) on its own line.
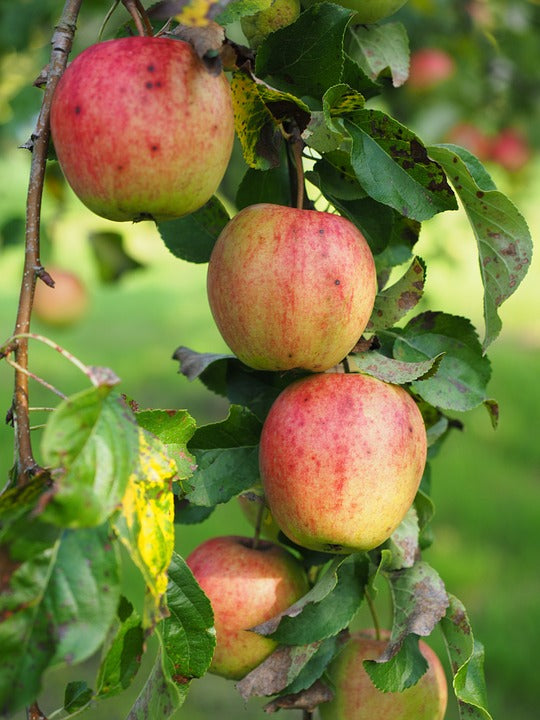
point(374, 616)
point(35, 377)
point(258, 524)
point(61, 43)
point(139, 16)
point(297, 146)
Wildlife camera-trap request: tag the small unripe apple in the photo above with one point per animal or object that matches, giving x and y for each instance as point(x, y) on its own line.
point(280, 14)
point(356, 698)
point(471, 138)
point(246, 585)
point(429, 67)
point(141, 129)
point(510, 149)
point(370, 11)
point(291, 288)
point(65, 303)
point(341, 459)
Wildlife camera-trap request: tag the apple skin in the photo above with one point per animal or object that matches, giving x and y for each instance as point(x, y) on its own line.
point(291, 288)
point(356, 698)
point(141, 129)
point(280, 14)
point(245, 587)
point(370, 11)
point(65, 303)
point(429, 67)
point(341, 458)
point(510, 149)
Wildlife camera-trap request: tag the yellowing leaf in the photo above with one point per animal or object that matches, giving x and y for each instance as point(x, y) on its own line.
point(145, 524)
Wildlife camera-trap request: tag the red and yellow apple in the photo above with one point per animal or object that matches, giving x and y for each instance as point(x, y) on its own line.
point(65, 303)
point(341, 458)
point(291, 288)
point(356, 698)
point(429, 67)
point(141, 129)
point(246, 585)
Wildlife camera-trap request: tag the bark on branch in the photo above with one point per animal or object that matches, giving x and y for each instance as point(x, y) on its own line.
point(61, 46)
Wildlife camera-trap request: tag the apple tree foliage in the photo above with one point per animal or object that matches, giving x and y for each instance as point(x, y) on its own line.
point(118, 482)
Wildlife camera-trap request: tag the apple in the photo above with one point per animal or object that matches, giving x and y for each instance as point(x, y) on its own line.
point(471, 138)
point(246, 585)
point(429, 67)
point(510, 149)
point(356, 698)
point(65, 303)
point(280, 14)
point(141, 129)
point(291, 288)
point(370, 11)
point(341, 458)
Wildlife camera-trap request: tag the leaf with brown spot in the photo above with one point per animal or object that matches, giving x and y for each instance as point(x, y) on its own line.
point(420, 601)
point(378, 48)
point(277, 671)
point(394, 371)
point(502, 235)
point(466, 656)
point(306, 700)
point(393, 303)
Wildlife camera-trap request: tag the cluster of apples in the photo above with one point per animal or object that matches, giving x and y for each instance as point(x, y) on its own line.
point(341, 455)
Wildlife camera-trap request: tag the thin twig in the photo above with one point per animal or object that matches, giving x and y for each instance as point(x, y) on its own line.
point(297, 146)
point(35, 377)
point(133, 9)
point(59, 349)
point(61, 43)
point(108, 16)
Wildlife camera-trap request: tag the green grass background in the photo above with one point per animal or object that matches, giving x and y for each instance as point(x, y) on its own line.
point(486, 484)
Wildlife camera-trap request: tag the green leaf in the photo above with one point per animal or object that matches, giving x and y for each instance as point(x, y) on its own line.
point(174, 428)
point(90, 443)
point(380, 47)
point(401, 671)
point(188, 633)
point(464, 372)
point(414, 185)
point(269, 186)
point(187, 641)
point(306, 622)
point(466, 656)
point(227, 456)
point(395, 302)
point(77, 695)
point(145, 523)
point(111, 257)
point(394, 371)
point(192, 238)
point(57, 604)
point(503, 238)
point(310, 51)
point(122, 658)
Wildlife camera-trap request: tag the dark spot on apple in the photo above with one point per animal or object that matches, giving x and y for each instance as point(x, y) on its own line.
point(149, 85)
point(77, 109)
point(119, 168)
point(150, 68)
point(337, 282)
point(330, 547)
point(321, 231)
point(158, 83)
point(154, 148)
point(290, 355)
